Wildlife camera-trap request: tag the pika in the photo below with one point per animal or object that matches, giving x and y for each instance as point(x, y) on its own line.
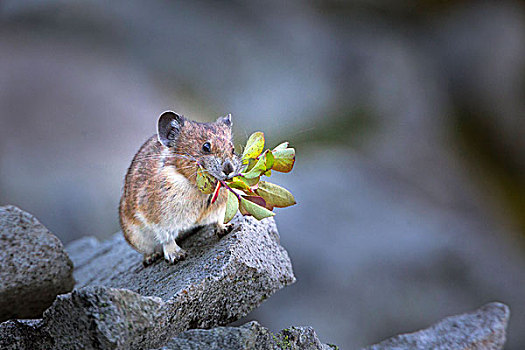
point(160, 200)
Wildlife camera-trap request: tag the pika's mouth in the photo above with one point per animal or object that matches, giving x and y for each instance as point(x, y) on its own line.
point(224, 177)
point(222, 171)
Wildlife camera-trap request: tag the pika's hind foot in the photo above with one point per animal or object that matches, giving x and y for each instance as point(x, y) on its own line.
point(223, 230)
point(151, 258)
point(173, 253)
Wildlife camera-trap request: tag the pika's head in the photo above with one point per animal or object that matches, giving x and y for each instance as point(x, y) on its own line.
point(192, 143)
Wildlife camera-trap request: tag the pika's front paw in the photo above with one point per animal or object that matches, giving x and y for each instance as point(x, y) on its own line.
point(223, 230)
point(173, 253)
point(175, 257)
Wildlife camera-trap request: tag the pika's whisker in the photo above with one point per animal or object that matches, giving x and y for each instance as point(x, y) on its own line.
point(167, 157)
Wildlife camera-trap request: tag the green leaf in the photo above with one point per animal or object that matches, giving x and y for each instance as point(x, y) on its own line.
point(270, 159)
point(250, 182)
point(281, 146)
point(254, 146)
point(238, 183)
point(258, 169)
point(249, 208)
point(257, 200)
point(265, 162)
point(275, 195)
point(243, 184)
point(260, 197)
point(232, 205)
point(205, 182)
point(250, 164)
point(284, 159)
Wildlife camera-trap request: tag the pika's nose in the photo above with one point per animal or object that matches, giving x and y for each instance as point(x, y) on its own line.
point(227, 168)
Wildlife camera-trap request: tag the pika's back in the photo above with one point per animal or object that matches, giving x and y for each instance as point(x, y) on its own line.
point(144, 167)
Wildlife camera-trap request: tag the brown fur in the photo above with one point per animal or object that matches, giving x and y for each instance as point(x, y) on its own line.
point(155, 195)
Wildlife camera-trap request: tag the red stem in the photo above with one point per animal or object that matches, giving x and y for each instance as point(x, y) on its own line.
point(231, 190)
point(216, 193)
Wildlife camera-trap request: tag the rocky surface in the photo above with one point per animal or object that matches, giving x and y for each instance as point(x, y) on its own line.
point(119, 303)
point(300, 338)
point(248, 336)
point(483, 329)
point(34, 267)
point(24, 334)
point(230, 276)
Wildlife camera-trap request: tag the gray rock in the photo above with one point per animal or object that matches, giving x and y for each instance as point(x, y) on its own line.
point(119, 303)
point(24, 334)
point(299, 338)
point(483, 329)
point(34, 267)
point(92, 318)
point(248, 336)
point(106, 318)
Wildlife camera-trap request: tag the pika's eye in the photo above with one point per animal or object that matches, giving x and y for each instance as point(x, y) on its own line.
point(206, 147)
point(233, 151)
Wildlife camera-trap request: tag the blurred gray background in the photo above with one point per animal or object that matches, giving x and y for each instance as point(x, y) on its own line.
point(408, 118)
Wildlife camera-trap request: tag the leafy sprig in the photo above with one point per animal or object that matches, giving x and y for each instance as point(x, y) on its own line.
point(247, 193)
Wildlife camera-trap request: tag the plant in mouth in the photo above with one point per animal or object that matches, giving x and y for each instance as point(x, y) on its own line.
point(247, 193)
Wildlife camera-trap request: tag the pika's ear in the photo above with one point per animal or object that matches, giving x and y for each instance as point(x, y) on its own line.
point(227, 119)
point(169, 127)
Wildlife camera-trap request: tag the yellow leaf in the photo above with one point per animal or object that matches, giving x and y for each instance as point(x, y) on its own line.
point(254, 146)
point(205, 182)
point(275, 195)
point(284, 159)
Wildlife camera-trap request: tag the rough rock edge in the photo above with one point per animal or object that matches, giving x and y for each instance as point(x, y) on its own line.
point(251, 335)
point(24, 334)
point(37, 268)
point(482, 329)
point(220, 282)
